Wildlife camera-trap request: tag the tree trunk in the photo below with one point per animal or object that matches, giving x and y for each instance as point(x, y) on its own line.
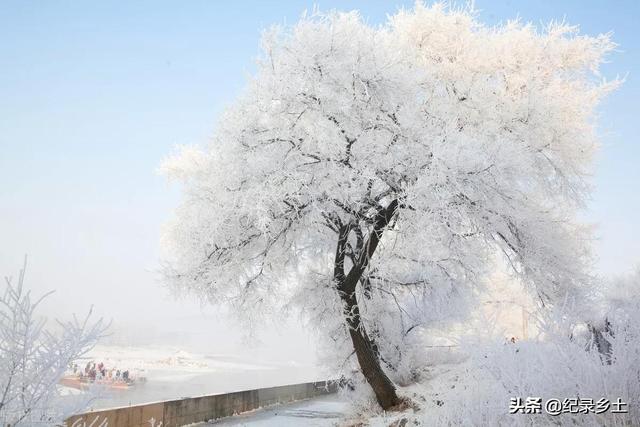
point(368, 360)
point(600, 340)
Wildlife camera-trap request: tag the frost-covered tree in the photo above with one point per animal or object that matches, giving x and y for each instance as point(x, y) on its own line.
point(364, 166)
point(34, 359)
point(596, 362)
point(613, 301)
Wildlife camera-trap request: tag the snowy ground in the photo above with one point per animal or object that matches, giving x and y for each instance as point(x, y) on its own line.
point(174, 373)
point(320, 412)
point(339, 410)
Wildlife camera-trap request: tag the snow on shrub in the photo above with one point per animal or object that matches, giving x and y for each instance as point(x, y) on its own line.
point(34, 359)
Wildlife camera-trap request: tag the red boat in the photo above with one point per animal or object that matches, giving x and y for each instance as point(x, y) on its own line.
point(83, 383)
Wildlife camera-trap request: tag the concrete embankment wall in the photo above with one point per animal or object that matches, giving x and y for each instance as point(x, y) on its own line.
point(174, 413)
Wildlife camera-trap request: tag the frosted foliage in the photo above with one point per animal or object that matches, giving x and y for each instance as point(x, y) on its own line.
point(33, 359)
point(558, 366)
point(483, 136)
point(562, 360)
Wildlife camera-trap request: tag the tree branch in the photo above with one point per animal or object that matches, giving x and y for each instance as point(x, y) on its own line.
point(382, 219)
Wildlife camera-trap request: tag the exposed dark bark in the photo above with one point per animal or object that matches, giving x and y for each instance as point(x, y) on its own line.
point(600, 340)
point(366, 353)
point(365, 283)
point(369, 363)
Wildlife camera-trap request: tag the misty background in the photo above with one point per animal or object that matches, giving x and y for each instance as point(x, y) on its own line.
point(94, 95)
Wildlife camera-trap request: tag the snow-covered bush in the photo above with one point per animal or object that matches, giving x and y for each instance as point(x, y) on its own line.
point(554, 367)
point(561, 359)
point(33, 359)
point(562, 362)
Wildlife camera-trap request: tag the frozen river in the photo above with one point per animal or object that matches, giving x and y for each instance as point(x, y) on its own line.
point(173, 374)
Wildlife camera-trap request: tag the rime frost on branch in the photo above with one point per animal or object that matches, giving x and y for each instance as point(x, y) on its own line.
point(33, 359)
point(477, 141)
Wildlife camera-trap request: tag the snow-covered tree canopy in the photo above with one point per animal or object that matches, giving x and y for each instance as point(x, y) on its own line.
point(371, 163)
point(477, 139)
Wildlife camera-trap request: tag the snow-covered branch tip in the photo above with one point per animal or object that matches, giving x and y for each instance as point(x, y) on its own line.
point(33, 359)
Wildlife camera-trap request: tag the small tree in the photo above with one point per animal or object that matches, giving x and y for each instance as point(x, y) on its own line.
point(362, 164)
point(33, 359)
